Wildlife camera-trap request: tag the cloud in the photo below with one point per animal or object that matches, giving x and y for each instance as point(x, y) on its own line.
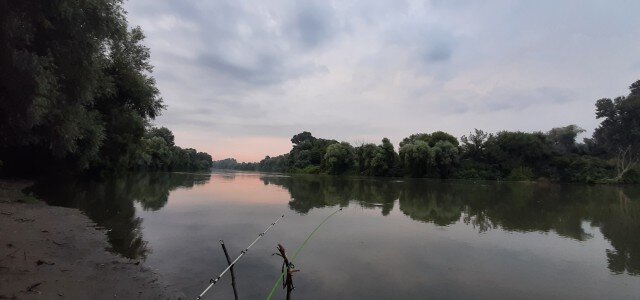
point(360, 70)
point(311, 24)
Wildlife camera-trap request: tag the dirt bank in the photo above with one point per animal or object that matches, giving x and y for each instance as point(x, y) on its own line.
point(51, 252)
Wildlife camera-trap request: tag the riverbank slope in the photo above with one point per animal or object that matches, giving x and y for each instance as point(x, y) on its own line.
point(49, 252)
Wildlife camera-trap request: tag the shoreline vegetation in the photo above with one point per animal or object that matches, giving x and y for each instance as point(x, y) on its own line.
point(43, 258)
point(611, 155)
point(77, 95)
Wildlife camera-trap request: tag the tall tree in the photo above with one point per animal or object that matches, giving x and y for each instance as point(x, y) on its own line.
point(619, 131)
point(75, 79)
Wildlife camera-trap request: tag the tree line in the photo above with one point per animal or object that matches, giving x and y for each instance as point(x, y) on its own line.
point(610, 155)
point(76, 92)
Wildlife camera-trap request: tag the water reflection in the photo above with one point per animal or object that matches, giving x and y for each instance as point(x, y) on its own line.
point(484, 206)
point(110, 203)
point(520, 207)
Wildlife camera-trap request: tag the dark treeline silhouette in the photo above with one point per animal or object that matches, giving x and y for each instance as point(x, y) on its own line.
point(519, 207)
point(76, 92)
point(611, 155)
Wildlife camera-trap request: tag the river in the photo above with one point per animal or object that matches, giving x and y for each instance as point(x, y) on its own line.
point(393, 239)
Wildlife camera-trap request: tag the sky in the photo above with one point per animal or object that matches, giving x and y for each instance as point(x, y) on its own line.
point(240, 78)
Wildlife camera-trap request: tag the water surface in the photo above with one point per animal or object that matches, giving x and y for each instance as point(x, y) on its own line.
point(394, 239)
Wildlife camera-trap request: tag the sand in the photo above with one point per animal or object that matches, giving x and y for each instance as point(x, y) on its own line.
point(49, 252)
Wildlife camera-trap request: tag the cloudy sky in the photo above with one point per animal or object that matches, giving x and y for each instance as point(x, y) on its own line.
point(241, 77)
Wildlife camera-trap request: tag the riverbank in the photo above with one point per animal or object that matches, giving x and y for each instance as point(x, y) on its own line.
point(49, 252)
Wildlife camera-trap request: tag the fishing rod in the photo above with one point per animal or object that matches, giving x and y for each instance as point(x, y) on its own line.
point(213, 281)
point(295, 256)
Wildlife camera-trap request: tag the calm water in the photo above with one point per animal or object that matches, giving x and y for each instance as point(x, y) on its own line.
point(394, 239)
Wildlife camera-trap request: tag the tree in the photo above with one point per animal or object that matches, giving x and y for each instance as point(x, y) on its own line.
point(225, 164)
point(445, 157)
point(307, 151)
point(339, 158)
point(364, 156)
point(76, 89)
point(376, 160)
point(302, 137)
point(274, 164)
point(473, 146)
point(444, 137)
point(52, 56)
point(425, 137)
point(619, 130)
point(162, 132)
point(563, 139)
point(510, 150)
point(385, 159)
point(431, 139)
point(417, 158)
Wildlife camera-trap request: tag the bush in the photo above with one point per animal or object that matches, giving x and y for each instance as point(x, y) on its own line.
point(467, 173)
point(582, 169)
point(632, 176)
point(310, 169)
point(520, 174)
point(469, 169)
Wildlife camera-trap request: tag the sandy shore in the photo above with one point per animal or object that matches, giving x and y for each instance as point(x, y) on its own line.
point(51, 252)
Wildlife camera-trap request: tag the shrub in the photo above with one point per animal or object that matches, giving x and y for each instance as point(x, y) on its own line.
point(520, 174)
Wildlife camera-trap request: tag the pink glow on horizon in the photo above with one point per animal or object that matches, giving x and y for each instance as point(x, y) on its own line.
point(243, 149)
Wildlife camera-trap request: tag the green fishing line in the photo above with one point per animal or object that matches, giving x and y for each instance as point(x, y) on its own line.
point(295, 255)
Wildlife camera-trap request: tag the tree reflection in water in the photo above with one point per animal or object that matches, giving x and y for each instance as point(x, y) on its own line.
point(516, 207)
point(519, 207)
point(110, 203)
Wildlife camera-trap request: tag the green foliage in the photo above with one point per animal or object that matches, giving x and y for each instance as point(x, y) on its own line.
point(620, 126)
point(520, 174)
point(580, 168)
point(339, 158)
point(303, 137)
point(416, 157)
point(446, 157)
point(365, 154)
point(307, 150)
point(632, 176)
point(441, 136)
point(381, 160)
point(509, 150)
point(563, 139)
point(76, 90)
point(469, 169)
point(473, 146)
point(158, 152)
point(279, 163)
point(519, 156)
point(163, 133)
point(430, 139)
point(225, 164)
point(309, 170)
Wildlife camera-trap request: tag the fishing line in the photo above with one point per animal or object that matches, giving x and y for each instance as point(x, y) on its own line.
point(214, 281)
point(298, 252)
